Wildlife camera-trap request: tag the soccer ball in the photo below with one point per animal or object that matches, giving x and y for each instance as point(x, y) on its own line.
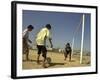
point(48, 60)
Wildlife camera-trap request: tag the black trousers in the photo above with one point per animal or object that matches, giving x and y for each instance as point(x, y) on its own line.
point(67, 53)
point(42, 49)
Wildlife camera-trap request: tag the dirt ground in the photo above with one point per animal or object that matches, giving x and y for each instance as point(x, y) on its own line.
point(57, 61)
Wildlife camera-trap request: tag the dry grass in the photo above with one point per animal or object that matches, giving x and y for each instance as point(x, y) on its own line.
point(57, 61)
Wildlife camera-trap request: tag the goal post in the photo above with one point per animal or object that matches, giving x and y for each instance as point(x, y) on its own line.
point(82, 39)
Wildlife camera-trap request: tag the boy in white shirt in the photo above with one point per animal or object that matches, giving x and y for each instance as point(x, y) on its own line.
point(41, 42)
point(25, 36)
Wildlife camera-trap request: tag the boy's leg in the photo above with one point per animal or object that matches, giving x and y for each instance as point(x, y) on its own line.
point(27, 51)
point(39, 52)
point(44, 54)
point(69, 56)
point(38, 58)
point(65, 54)
point(27, 54)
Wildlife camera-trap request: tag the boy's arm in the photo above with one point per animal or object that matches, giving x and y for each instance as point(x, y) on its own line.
point(50, 40)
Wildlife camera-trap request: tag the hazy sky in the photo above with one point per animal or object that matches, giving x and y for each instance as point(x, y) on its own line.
point(63, 25)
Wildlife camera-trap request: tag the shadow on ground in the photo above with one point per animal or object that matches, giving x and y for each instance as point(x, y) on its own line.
point(53, 64)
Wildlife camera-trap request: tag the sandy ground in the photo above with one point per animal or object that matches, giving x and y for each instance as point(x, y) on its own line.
point(57, 61)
